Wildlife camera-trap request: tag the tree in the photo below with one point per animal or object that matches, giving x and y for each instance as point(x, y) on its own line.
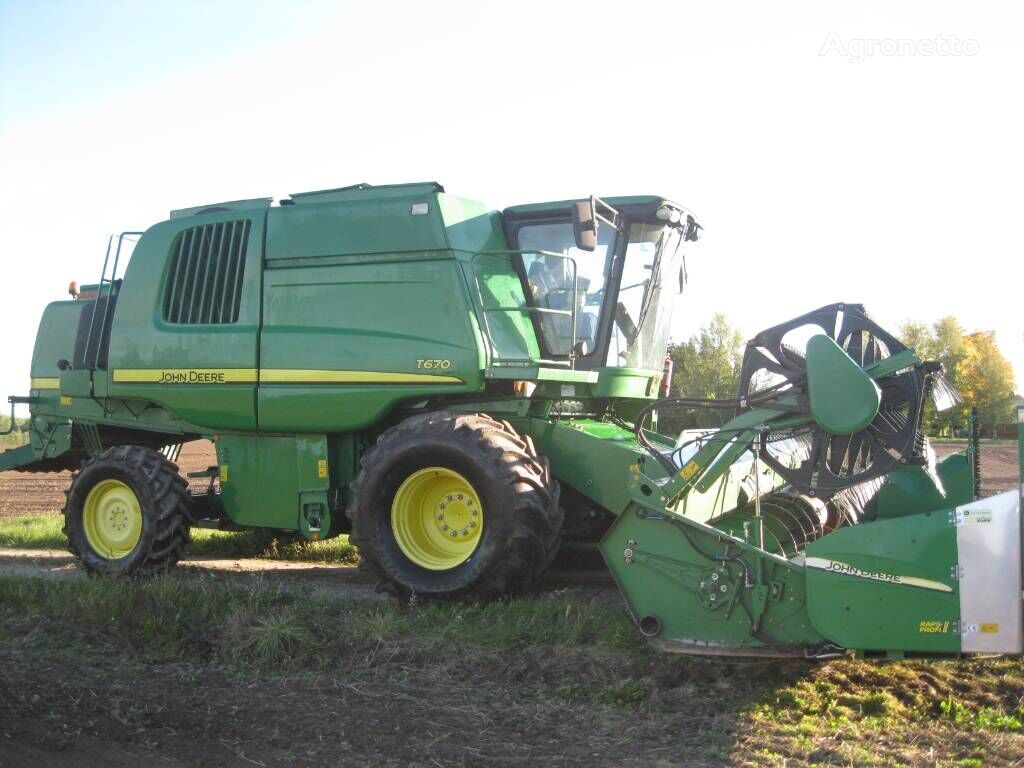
point(943, 341)
point(974, 366)
point(708, 365)
point(985, 379)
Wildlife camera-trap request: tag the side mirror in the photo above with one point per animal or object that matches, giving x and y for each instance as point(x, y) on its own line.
point(584, 225)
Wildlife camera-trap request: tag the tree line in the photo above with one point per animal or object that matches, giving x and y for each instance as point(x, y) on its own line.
point(707, 365)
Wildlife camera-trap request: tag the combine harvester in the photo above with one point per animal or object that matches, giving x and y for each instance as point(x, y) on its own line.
point(463, 389)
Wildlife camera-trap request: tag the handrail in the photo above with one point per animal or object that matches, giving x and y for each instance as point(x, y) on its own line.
point(109, 282)
point(495, 357)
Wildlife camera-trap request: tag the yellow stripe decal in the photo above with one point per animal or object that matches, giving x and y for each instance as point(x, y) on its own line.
point(294, 376)
point(269, 376)
point(46, 383)
point(186, 376)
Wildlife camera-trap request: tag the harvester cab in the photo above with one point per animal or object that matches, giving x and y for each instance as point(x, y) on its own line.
point(465, 391)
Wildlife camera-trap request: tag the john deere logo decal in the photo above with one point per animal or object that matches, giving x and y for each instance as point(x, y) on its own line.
point(834, 566)
point(273, 376)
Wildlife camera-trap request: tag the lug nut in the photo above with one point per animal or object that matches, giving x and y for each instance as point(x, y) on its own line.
point(453, 534)
point(444, 527)
point(472, 524)
point(440, 516)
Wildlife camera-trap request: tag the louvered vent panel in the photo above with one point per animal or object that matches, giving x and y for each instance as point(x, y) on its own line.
point(204, 285)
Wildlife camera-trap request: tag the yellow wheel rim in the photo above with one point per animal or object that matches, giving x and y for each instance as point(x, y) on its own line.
point(437, 518)
point(112, 519)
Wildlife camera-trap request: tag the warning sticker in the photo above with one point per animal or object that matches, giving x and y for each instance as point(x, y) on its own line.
point(968, 516)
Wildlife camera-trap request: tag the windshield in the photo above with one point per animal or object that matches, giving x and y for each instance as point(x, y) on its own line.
point(643, 313)
point(550, 281)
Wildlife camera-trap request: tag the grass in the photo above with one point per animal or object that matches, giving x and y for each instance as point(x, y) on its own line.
point(555, 653)
point(973, 709)
point(261, 628)
point(32, 532)
point(552, 653)
point(44, 532)
point(553, 650)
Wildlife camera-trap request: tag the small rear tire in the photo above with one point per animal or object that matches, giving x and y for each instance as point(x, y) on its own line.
point(127, 512)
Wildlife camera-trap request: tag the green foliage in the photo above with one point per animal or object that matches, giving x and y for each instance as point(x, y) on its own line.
point(985, 718)
point(706, 366)
point(986, 381)
point(973, 364)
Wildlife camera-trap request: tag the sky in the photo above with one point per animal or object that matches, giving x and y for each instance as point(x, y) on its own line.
point(865, 152)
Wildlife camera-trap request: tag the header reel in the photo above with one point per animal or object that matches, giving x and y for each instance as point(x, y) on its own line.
point(844, 412)
point(853, 437)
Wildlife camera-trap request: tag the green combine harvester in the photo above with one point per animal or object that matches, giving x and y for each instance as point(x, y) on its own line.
point(464, 390)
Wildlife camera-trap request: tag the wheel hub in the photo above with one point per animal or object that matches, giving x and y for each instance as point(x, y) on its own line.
point(437, 518)
point(112, 519)
point(457, 516)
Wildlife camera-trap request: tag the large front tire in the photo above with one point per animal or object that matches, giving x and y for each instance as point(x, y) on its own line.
point(453, 506)
point(127, 512)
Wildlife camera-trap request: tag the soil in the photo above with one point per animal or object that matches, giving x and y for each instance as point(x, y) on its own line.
point(39, 493)
point(999, 468)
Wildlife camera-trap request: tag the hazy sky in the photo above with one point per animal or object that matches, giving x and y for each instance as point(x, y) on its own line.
point(865, 152)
